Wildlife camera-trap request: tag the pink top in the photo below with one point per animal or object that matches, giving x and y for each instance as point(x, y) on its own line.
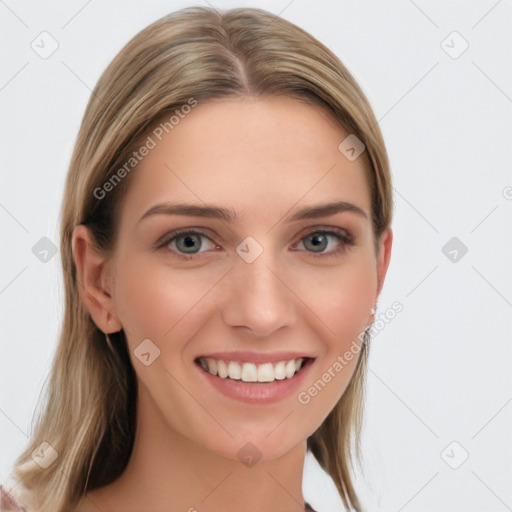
point(8, 503)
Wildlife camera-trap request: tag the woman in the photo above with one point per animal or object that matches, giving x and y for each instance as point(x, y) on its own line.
point(225, 235)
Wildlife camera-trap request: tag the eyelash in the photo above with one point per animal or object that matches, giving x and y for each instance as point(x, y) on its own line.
point(343, 236)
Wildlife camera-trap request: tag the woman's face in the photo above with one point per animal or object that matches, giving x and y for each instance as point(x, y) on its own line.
point(271, 283)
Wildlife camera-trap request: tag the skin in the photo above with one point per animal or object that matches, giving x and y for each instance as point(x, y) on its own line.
point(263, 158)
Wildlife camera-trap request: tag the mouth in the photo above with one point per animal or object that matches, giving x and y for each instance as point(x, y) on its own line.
point(264, 372)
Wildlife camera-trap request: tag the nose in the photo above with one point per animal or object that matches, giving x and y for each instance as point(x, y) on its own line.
point(259, 297)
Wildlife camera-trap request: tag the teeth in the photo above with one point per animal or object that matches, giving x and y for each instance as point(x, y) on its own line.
point(280, 370)
point(265, 372)
point(250, 372)
point(290, 369)
point(212, 366)
point(234, 370)
point(222, 369)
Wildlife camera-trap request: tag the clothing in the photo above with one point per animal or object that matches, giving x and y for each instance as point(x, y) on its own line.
point(8, 502)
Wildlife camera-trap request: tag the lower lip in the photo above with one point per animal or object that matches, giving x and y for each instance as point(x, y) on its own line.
point(257, 393)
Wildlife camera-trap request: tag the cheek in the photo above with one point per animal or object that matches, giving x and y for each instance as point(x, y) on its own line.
point(342, 303)
point(342, 298)
point(155, 301)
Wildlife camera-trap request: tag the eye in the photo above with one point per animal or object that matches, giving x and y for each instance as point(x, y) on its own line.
point(318, 240)
point(186, 243)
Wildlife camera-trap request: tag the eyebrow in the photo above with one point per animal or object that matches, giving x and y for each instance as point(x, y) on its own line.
point(228, 215)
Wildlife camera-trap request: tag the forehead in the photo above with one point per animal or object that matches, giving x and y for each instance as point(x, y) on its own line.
point(258, 157)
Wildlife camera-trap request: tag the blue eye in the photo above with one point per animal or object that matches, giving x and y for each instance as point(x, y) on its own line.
point(186, 243)
point(320, 240)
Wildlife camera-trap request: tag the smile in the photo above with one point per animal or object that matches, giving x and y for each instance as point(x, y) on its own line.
point(252, 372)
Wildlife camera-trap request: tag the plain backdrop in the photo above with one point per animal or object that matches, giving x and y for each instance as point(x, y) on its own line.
point(438, 75)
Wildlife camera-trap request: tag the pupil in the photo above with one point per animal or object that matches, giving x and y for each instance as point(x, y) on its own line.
point(189, 241)
point(318, 241)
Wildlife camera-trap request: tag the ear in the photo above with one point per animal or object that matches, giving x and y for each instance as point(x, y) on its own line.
point(93, 281)
point(384, 256)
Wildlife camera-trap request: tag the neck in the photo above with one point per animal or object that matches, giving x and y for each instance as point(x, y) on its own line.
point(168, 472)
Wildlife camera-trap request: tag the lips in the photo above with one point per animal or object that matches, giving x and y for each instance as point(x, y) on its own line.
point(268, 382)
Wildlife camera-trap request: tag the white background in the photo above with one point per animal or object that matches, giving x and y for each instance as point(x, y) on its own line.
point(441, 370)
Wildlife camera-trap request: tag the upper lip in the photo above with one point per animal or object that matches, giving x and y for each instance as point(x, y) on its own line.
point(257, 357)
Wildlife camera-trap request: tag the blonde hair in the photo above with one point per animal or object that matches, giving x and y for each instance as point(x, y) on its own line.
point(88, 415)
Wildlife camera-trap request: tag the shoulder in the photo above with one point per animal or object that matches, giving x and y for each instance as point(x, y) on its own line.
point(9, 501)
